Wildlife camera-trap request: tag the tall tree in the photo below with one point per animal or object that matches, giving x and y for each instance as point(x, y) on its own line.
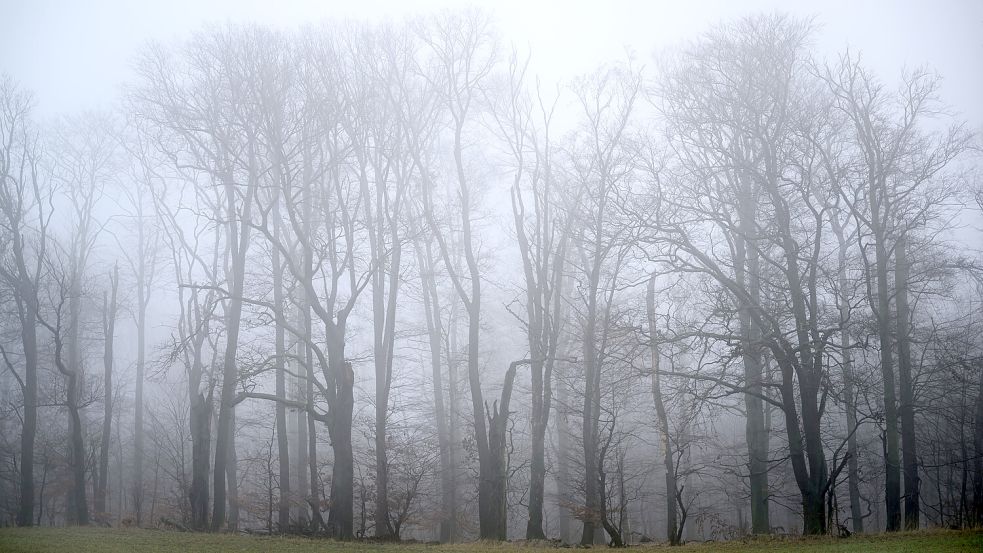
point(86, 148)
point(109, 310)
point(897, 158)
point(25, 202)
point(542, 233)
point(460, 47)
point(601, 169)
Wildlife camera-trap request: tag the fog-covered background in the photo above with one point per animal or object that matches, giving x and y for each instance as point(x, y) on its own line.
point(532, 270)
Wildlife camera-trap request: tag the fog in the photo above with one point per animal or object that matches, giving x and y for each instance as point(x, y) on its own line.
point(426, 271)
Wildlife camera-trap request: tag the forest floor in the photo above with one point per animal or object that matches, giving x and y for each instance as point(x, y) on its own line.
point(85, 540)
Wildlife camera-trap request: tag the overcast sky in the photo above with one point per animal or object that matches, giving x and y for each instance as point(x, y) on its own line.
point(74, 54)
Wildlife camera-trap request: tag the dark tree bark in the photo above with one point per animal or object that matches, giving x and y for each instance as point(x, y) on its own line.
point(748, 275)
point(909, 449)
point(108, 330)
point(674, 530)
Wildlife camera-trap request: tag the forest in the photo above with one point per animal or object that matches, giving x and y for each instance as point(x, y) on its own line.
point(380, 280)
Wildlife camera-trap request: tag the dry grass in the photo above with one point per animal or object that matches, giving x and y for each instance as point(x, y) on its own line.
point(85, 540)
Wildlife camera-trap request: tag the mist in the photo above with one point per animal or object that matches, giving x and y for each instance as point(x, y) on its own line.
point(440, 273)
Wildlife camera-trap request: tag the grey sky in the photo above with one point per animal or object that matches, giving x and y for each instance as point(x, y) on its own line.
point(74, 54)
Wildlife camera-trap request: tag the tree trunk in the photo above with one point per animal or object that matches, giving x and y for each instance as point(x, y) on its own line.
point(747, 274)
point(978, 460)
point(431, 308)
point(108, 330)
point(849, 393)
point(79, 513)
point(304, 483)
point(563, 472)
point(138, 431)
point(283, 444)
point(28, 314)
point(673, 530)
point(907, 407)
point(341, 517)
point(232, 479)
point(201, 422)
point(237, 243)
point(892, 475)
point(497, 477)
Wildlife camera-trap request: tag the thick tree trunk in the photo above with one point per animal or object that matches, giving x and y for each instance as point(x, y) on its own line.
point(747, 274)
point(537, 464)
point(497, 479)
point(593, 515)
point(201, 422)
point(28, 313)
point(892, 476)
point(232, 479)
point(224, 431)
point(978, 460)
point(909, 448)
point(79, 513)
point(341, 518)
point(563, 472)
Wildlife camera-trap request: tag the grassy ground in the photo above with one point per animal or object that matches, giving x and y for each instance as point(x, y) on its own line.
point(84, 540)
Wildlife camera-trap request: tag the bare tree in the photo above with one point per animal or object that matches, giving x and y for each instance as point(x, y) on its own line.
point(460, 46)
point(109, 310)
point(600, 166)
point(896, 160)
point(25, 201)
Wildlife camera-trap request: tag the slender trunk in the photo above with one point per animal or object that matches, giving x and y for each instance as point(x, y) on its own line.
point(431, 308)
point(313, 477)
point(453, 413)
point(28, 313)
point(673, 530)
point(138, 431)
point(108, 330)
point(238, 242)
point(309, 432)
point(853, 450)
point(304, 483)
point(906, 407)
point(283, 445)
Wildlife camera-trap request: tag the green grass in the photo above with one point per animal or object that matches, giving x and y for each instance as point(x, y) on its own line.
point(83, 540)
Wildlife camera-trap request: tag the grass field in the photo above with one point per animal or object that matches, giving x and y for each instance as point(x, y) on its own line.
point(83, 540)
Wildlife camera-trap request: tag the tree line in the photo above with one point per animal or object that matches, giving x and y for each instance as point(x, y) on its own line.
point(379, 280)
